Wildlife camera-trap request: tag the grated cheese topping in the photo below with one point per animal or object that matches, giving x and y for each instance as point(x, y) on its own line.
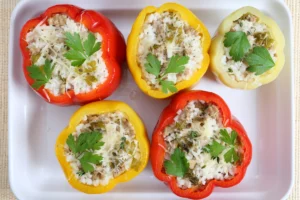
point(48, 42)
point(205, 119)
point(165, 35)
point(258, 35)
point(114, 126)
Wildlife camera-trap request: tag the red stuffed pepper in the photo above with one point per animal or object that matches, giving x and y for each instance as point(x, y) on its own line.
point(197, 145)
point(71, 55)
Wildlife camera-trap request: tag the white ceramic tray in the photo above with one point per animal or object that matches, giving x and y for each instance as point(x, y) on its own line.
point(266, 113)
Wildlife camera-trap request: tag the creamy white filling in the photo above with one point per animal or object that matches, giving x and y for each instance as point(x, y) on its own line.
point(165, 35)
point(48, 42)
point(115, 160)
point(206, 120)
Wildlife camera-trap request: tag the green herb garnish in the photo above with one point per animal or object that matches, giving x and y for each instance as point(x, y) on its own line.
point(168, 86)
point(239, 44)
point(216, 148)
point(178, 165)
point(82, 147)
point(122, 145)
point(40, 75)
point(79, 52)
point(193, 134)
point(176, 65)
point(259, 60)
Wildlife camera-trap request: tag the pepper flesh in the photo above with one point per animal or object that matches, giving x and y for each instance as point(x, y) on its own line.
point(217, 50)
point(113, 48)
point(133, 42)
point(99, 108)
point(158, 145)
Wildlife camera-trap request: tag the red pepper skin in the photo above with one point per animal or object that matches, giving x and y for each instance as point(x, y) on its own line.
point(157, 153)
point(113, 47)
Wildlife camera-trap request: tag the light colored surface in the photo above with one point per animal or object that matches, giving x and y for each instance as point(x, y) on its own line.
point(7, 6)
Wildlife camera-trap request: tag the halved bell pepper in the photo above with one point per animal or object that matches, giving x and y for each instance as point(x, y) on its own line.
point(158, 145)
point(99, 108)
point(113, 47)
point(217, 50)
point(133, 42)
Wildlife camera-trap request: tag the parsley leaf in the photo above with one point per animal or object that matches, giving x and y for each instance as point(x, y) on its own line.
point(78, 53)
point(259, 61)
point(122, 145)
point(168, 86)
point(178, 165)
point(231, 156)
point(74, 41)
point(40, 75)
point(87, 159)
point(226, 138)
point(71, 143)
point(82, 147)
point(176, 64)
point(215, 149)
point(153, 66)
point(89, 141)
point(90, 46)
point(239, 44)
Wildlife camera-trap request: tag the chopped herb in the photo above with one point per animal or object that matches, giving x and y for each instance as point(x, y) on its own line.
point(178, 165)
point(79, 52)
point(259, 60)
point(239, 44)
point(230, 70)
point(193, 134)
point(82, 147)
point(203, 166)
point(80, 173)
point(122, 145)
point(40, 75)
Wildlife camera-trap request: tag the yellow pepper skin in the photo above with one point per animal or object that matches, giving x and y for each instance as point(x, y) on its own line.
point(217, 50)
point(133, 42)
point(98, 108)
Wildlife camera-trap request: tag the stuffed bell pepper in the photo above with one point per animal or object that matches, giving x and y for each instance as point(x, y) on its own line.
point(197, 144)
point(71, 55)
point(247, 51)
point(167, 50)
point(104, 144)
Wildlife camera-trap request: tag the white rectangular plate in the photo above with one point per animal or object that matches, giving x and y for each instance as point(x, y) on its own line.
point(266, 113)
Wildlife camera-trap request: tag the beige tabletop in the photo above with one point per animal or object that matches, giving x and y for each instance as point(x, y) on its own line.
point(6, 7)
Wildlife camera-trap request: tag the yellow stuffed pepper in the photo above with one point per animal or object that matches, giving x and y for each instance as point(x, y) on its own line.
point(104, 144)
point(247, 51)
point(167, 50)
